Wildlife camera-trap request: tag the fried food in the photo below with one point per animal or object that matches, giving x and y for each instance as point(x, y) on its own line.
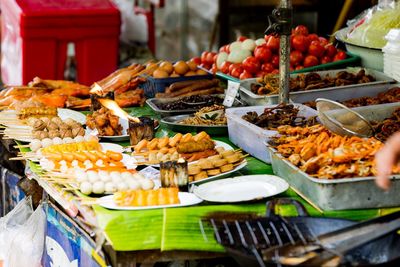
point(269, 84)
point(105, 122)
point(326, 155)
point(26, 113)
point(162, 196)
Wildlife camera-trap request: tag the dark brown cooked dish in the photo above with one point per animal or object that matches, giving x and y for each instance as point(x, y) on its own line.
point(282, 114)
point(269, 84)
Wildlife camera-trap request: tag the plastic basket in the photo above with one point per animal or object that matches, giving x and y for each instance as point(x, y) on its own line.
point(350, 61)
point(153, 85)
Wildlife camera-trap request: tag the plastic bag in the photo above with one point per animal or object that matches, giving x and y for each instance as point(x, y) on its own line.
point(27, 243)
point(12, 222)
point(370, 27)
point(133, 26)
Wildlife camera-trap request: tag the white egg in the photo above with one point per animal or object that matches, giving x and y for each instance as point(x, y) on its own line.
point(78, 139)
point(104, 176)
point(115, 177)
point(110, 187)
point(80, 175)
point(98, 187)
point(47, 142)
point(35, 145)
point(68, 140)
point(146, 184)
point(46, 164)
point(126, 175)
point(133, 184)
point(92, 176)
point(86, 188)
point(57, 141)
point(122, 186)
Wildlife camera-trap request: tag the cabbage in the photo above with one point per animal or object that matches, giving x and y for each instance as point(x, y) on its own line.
point(372, 32)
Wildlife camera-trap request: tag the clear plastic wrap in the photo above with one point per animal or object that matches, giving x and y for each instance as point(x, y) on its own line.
point(370, 27)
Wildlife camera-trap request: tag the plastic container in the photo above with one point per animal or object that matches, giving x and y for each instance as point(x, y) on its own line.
point(35, 35)
point(250, 137)
point(391, 54)
point(153, 86)
point(351, 60)
point(339, 93)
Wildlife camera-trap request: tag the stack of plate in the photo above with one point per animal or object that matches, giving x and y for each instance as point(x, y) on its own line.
point(391, 56)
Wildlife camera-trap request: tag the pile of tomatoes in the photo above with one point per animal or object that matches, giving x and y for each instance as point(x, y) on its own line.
point(247, 58)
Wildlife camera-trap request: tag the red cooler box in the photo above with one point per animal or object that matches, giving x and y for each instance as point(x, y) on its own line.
point(35, 35)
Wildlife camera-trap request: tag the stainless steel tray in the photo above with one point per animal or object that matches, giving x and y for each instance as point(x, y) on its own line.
point(173, 124)
point(152, 102)
point(336, 194)
point(339, 93)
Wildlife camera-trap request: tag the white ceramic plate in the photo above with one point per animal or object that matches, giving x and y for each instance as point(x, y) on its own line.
point(117, 138)
point(186, 199)
point(242, 188)
point(64, 114)
point(221, 175)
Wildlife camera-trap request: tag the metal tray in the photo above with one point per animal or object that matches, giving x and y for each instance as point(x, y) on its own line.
point(339, 93)
point(336, 194)
point(152, 102)
point(340, 194)
point(173, 124)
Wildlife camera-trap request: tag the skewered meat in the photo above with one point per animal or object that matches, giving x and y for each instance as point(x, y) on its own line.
point(105, 123)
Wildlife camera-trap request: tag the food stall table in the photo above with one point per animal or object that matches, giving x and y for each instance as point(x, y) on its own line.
point(150, 236)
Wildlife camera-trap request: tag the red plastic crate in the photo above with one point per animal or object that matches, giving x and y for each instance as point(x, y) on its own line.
point(35, 34)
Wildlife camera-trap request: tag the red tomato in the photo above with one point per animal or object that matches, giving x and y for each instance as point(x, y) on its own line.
point(323, 41)
point(196, 60)
point(266, 38)
point(312, 37)
point(316, 49)
point(267, 67)
point(245, 75)
point(330, 50)
point(273, 43)
point(241, 38)
point(251, 64)
point(300, 30)
point(234, 65)
point(299, 68)
point(275, 71)
point(325, 59)
point(263, 53)
point(310, 61)
point(224, 48)
point(300, 43)
point(275, 61)
point(339, 56)
point(236, 71)
point(296, 58)
point(225, 67)
point(210, 58)
point(204, 56)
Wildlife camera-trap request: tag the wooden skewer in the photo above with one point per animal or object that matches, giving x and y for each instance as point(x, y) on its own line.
point(21, 146)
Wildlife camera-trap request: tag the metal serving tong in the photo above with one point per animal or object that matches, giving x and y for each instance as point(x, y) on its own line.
point(328, 249)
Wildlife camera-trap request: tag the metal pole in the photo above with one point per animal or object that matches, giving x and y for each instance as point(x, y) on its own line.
point(284, 54)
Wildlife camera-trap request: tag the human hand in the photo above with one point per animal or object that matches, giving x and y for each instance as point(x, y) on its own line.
point(385, 160)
